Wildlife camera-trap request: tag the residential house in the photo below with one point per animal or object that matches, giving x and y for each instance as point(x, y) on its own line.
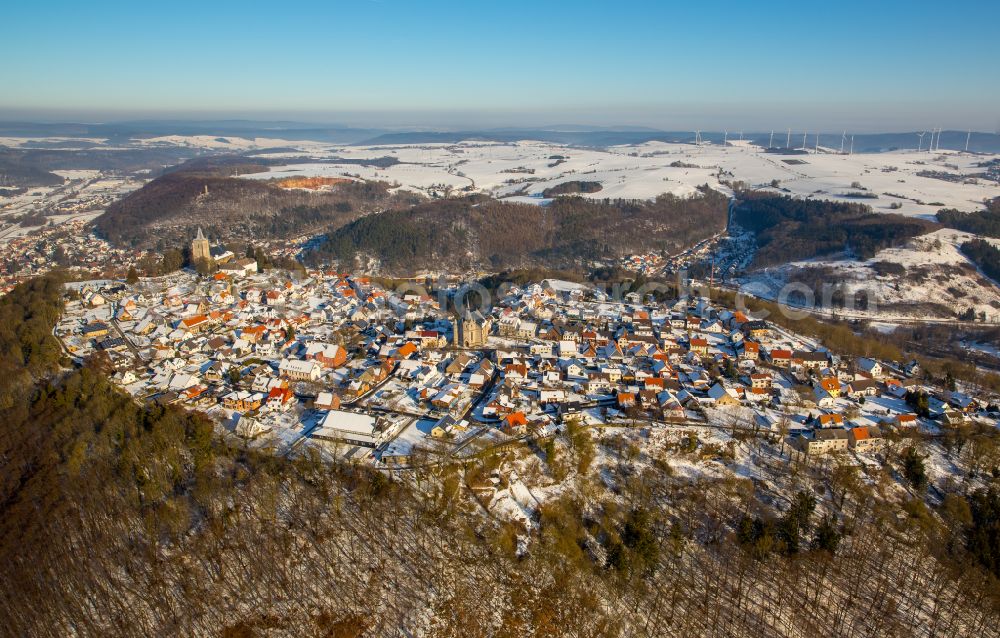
point(749, 350)
point(722, 396)
point(299, 370)
point(870, 367)
point(862, 388)
point(515, 424)
point(780, 358)
point(756, 329)
point(825, 441)
point(864, 438)
point(809, 359)
point(242, 400)
point(327, 401)
point(699, 346)
point(830, 421)
point(328, 355)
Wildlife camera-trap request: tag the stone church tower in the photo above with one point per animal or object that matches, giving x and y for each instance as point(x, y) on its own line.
point(199, 248)
point(471, 330)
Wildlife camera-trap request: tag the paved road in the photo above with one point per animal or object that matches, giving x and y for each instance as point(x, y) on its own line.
point(128, 342)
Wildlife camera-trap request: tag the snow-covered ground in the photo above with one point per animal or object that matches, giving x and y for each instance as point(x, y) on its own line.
point(934, 271)
point(525, 169)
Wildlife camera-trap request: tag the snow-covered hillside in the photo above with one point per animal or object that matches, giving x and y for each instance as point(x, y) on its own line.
point(932, 279)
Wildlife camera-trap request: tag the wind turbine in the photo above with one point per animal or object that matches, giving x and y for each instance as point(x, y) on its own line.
point(770, 143)
point(968, 136)
point(804, 141)
point(741, 136)
point(697, 138)
point(920, 140)
point(725, 138)
point(843, 138)
point(852, 145)
point(817, 141)
point(788, 140)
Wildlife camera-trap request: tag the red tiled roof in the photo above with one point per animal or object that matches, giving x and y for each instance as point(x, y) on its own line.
point(516, 418)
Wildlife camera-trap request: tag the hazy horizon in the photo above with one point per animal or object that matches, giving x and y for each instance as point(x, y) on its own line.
point(888, 67)
point(445, 121)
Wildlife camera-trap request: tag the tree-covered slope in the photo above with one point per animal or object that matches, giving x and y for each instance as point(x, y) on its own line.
point(790, 229)
point(172, 206)
point(478, 232)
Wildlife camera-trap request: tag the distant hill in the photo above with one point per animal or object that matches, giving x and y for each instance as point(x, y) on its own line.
point(16, 172)
point(572, 137)
point(122, 131)
point(581, 135)
point(602, 137)
point(75, 157)
point(482, 233)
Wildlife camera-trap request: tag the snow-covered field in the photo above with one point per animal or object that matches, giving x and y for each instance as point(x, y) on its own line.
point(522, 170)
point(525, 169)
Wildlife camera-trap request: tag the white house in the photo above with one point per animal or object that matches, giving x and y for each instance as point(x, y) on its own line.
point(870, 367)
point(300, 370)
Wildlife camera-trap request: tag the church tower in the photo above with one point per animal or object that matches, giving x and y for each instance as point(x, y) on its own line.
point(199, 248)
point(471, 330)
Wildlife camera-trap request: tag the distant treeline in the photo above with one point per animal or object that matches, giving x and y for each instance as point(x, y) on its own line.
point(985, 222)
point(480, 232)
point(790, 229)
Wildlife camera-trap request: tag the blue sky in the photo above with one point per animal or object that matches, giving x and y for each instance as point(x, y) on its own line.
point(862, 65)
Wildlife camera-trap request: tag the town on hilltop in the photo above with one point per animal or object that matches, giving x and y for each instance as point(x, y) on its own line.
point(337, 363)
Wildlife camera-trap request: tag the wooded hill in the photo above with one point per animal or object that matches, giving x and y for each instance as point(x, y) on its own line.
point(484, 233)
point(18, 172)
point(790, 229)
point(170, 208)
point(124, 520)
